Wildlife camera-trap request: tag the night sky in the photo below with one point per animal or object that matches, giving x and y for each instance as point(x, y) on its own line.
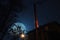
point(47, 12)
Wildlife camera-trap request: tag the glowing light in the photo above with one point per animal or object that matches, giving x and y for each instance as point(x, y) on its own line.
point(22, 35)
point(23, 27)
point(37, 24)
point(13, 30)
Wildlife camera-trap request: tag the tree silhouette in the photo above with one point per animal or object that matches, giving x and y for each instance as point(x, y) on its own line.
point(6, 15)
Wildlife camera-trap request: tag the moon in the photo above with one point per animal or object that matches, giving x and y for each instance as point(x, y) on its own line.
point(23, 27)
point(15, 25)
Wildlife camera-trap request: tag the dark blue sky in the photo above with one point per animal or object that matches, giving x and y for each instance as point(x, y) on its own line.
point(47, 12)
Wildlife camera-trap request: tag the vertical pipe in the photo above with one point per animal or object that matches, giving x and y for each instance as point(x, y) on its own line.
point(36, 19)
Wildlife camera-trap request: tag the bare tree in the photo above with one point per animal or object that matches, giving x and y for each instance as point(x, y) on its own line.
point(6, 17)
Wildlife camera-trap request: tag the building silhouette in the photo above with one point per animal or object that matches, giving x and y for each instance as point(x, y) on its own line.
point(50, 31)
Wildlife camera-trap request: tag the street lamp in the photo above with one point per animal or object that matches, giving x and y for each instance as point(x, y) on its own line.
point(22, 35)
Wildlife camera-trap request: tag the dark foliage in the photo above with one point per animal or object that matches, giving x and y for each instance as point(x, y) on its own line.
point(6, 15)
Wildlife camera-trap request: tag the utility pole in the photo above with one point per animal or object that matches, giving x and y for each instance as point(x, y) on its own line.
point(36, 18)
